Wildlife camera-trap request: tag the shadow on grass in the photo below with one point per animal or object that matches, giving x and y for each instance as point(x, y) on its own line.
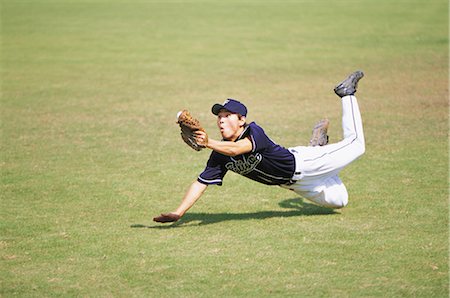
point(297, 205)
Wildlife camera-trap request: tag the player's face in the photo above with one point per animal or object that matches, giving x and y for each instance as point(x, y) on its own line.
point(230, 125)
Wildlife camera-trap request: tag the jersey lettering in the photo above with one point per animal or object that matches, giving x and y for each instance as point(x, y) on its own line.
point(246, 165)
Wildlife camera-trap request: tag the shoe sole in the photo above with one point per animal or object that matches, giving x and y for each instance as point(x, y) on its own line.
point(349, 85)
point(319, 134)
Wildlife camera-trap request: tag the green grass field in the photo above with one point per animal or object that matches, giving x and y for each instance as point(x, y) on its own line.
point(90, 151)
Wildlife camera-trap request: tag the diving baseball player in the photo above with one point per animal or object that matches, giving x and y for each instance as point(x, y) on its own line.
point(310, 171)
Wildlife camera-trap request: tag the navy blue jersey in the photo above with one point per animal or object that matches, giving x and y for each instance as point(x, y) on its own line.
point(267, 163)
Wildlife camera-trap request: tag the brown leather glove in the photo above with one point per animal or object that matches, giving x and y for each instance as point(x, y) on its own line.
point(167, 217)
point(189, 125)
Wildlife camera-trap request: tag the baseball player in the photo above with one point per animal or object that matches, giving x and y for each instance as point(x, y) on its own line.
point(310, 171)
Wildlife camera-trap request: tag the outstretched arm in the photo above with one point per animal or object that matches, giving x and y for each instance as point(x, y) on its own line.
point(194, 193)
point(224, 147)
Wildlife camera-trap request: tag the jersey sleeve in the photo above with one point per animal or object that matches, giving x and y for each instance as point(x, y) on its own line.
point(260, 141)
point(215, 170)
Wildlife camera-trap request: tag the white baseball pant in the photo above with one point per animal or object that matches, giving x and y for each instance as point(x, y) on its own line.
point(317, 168)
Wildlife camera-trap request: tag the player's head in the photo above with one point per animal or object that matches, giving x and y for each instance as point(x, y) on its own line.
point(231, 105)
point(231, 118)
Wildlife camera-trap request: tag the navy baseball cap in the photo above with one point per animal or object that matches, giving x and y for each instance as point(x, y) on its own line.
point(231, 105)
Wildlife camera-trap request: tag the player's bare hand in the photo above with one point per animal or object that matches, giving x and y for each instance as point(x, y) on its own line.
point(167, 217)
point(201, 138)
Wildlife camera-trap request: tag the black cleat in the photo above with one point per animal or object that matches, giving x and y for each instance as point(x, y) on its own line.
point(349, 85)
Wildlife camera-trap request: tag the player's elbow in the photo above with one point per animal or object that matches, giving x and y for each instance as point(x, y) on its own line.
point(233, 152)
point(361, 149)
point(241, 147)
point(238, 151)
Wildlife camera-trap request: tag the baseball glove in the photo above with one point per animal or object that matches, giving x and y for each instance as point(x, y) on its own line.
point(167, 217)
point(189, 125)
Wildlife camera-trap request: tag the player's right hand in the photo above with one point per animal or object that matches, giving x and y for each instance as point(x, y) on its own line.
point(167, 217)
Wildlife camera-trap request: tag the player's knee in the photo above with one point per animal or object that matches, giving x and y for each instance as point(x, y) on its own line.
point(342, 201)
point(357, 144)
point(336, 195)
point(337, 201)
point(361, 149)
